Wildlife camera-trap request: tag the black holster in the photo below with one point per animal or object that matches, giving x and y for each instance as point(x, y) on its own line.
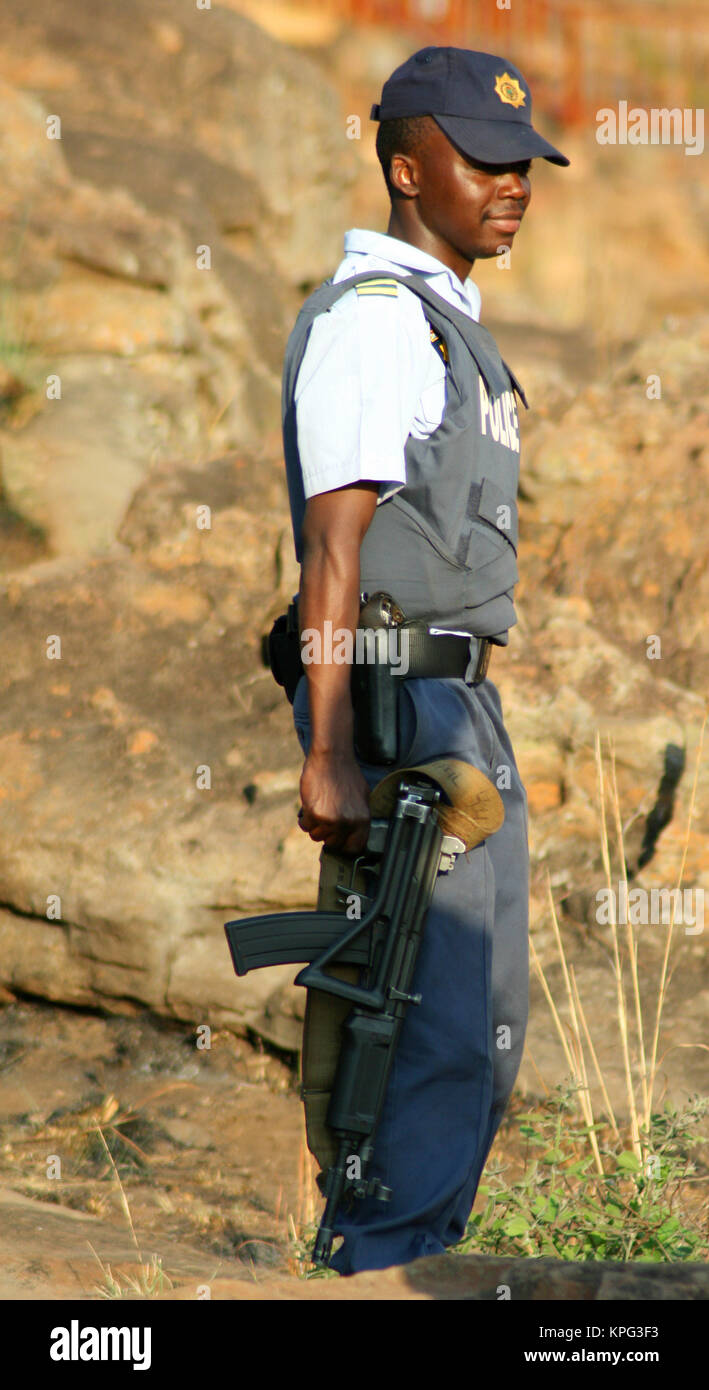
point(376, 693)
point(375, 690)
point(280, 650)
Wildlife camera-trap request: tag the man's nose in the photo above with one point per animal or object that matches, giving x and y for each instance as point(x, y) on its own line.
point(513, 185)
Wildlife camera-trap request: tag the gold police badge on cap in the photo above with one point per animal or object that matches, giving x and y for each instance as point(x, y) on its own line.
point(508, 90)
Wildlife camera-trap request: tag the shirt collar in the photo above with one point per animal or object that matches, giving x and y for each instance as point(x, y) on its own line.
point(404, 255)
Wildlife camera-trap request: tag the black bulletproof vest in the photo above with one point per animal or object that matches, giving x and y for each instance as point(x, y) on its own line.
point(445, 545)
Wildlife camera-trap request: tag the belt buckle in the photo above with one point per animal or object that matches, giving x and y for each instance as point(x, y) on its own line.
point(483, 660)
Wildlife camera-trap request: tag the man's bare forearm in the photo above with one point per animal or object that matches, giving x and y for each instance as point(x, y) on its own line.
point(334, 793)
point(329, 592)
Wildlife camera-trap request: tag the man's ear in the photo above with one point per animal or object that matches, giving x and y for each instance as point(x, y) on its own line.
point(403, 175)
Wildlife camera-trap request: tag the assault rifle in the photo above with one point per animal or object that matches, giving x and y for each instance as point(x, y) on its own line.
point(404, 854)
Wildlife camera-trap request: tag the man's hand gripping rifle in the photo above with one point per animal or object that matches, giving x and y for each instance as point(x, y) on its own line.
point(403, 857)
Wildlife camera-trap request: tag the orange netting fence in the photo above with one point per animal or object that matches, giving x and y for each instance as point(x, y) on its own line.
point(579, 57)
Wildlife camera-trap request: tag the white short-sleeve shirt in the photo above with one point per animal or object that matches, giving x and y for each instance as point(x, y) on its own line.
point(370, 375)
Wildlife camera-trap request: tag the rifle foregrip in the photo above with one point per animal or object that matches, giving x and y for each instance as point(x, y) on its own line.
point(291, 938)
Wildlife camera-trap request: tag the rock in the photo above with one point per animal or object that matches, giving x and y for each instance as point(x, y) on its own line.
point(28, 157)
point(480, 1276)
point(283, 1015)
point(71, 474)
point(541, 767)
point(101, 791)
point(155, 262)
point(224, 90)
point(618, 453)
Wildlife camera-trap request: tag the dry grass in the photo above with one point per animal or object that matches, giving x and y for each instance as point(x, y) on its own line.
point(150, 1280)
point(639, 1050)
point(301, 1227)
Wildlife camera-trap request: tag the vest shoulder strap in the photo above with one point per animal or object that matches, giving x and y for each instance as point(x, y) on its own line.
point(478, 339)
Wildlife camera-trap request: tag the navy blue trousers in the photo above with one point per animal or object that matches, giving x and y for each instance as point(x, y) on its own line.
point(460, 1049)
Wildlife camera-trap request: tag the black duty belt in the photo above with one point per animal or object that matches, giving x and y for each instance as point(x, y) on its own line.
point(445, 654)
point(432, 654)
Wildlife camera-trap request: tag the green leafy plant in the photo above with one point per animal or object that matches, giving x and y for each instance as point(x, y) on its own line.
point(300, 1255)
point(561, 1206)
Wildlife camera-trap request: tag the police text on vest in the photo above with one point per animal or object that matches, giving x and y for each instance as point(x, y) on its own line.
point(500, 414)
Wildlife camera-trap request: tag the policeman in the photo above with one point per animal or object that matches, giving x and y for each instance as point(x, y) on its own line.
point(401, 438)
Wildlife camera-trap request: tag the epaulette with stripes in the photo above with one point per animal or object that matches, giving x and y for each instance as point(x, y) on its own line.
point(380, 287)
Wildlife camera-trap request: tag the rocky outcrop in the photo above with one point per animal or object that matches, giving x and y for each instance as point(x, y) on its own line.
point(133, 793)
point(615, 504)
point(156, 229)
point(201, 110)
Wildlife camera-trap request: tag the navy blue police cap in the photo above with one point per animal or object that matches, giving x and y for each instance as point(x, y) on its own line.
point(481, 102)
